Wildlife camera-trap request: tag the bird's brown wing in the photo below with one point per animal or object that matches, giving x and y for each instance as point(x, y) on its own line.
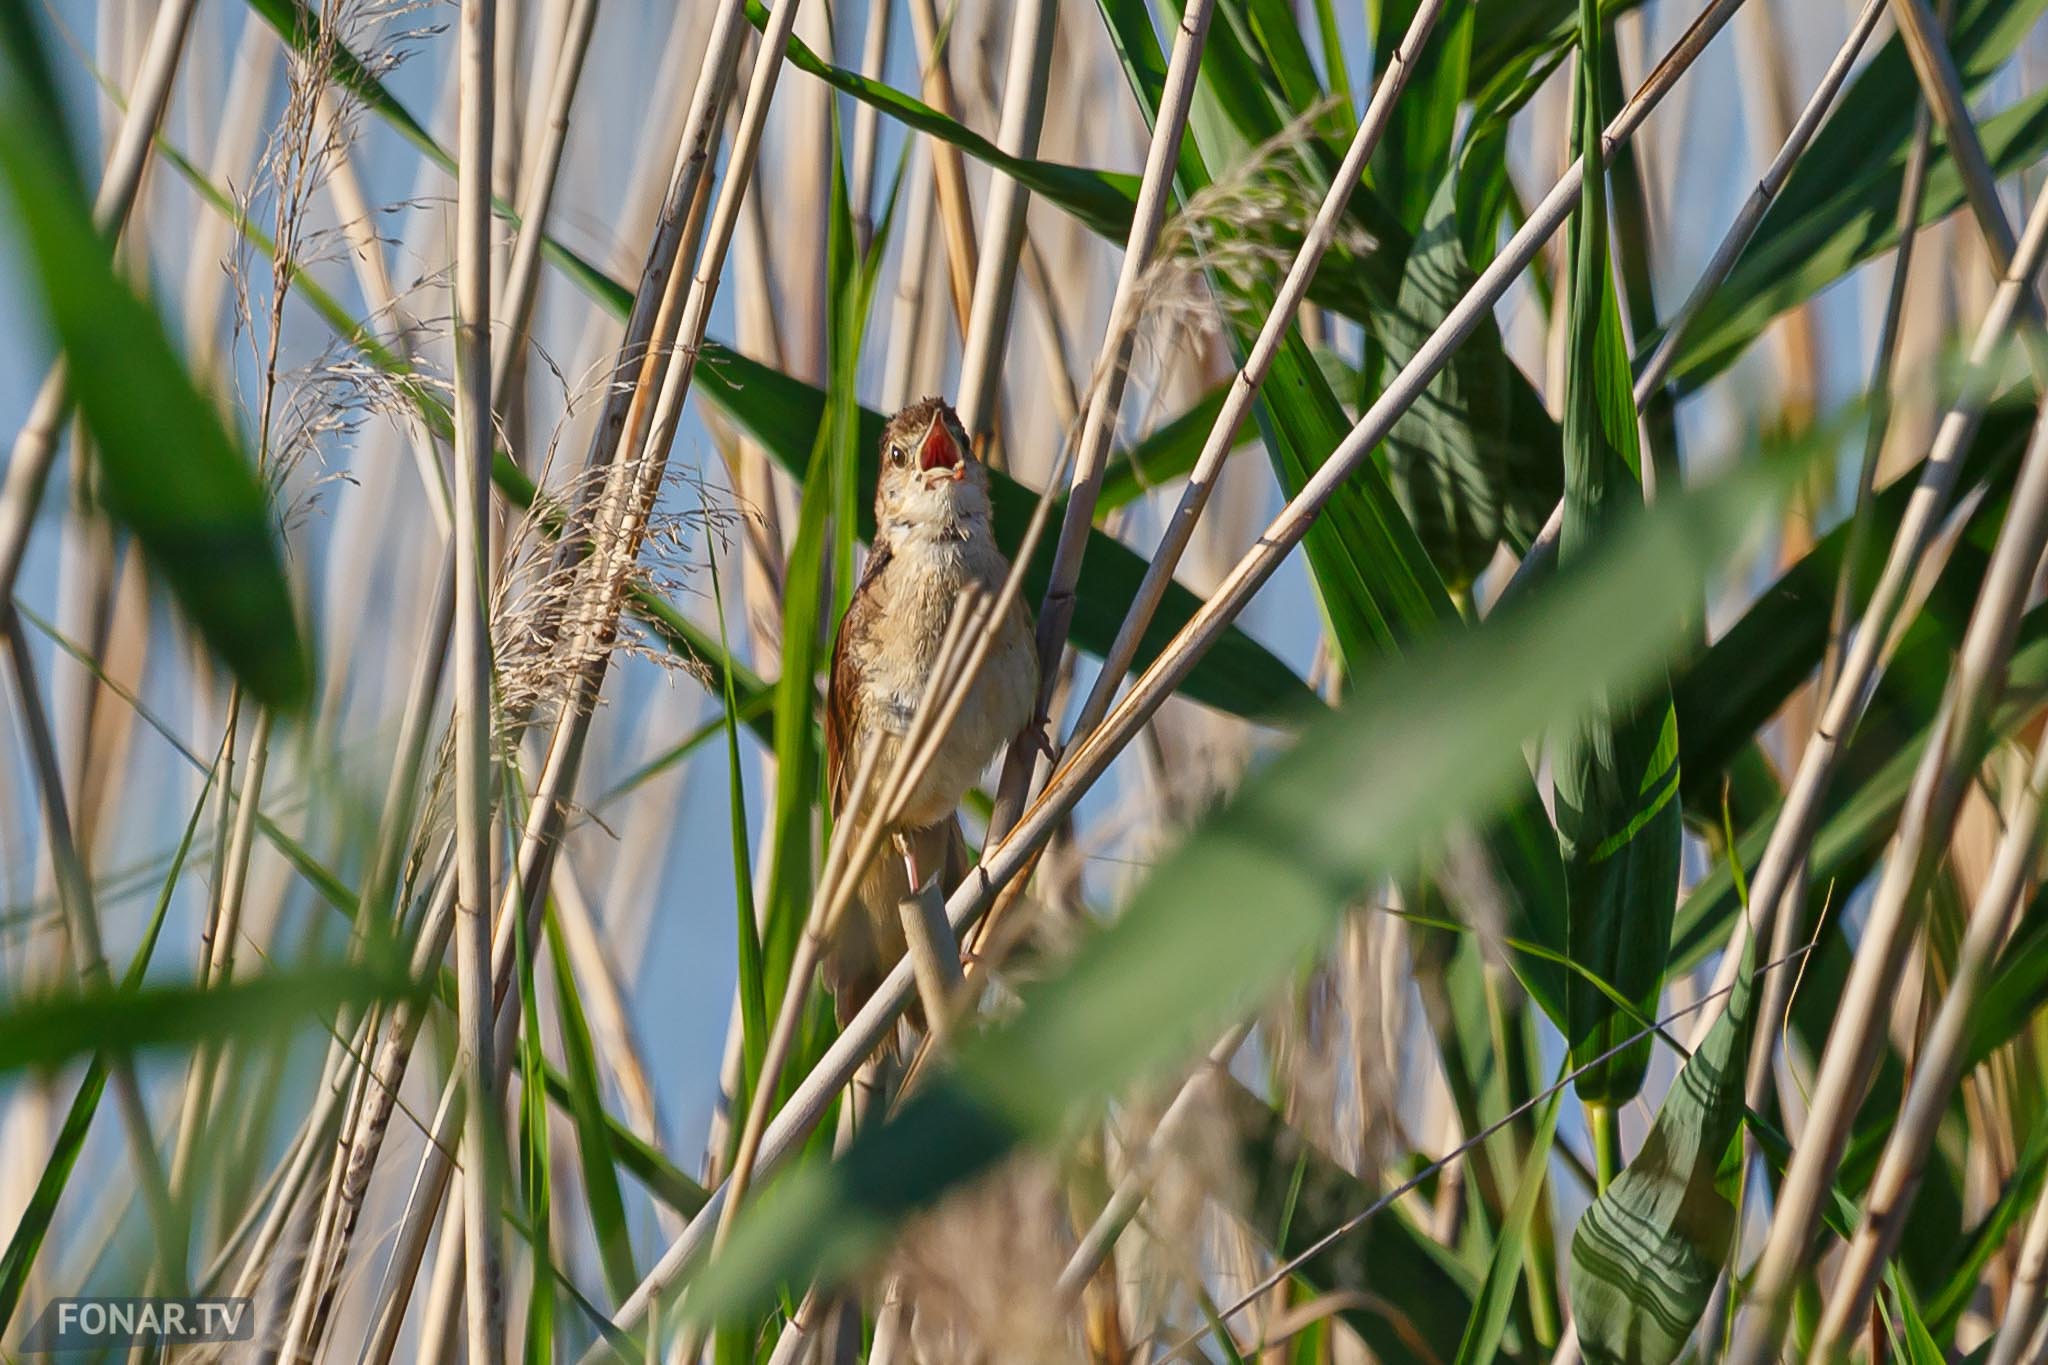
point(842, 688)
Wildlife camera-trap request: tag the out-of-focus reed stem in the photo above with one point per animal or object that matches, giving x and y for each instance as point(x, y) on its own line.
point(949, 171)
point(995, 281)
point(35, 447)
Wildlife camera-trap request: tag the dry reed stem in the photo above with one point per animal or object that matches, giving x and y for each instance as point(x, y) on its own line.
point(2036, 1352)
point(892, 1328)
point(906, 310)
point(995, 281)
point(82, 926)
point(1937, 1066)
point(1943, 89)
point(934, 960)
point(2029, 1294)
point(675, 237)
point(949, 172)
point(401, 1271)
point(476, 1061)
point(867, 126)
point(1122, 1206)
point(1906, 228)
point(1764, 54)
point(1939, 782)
point(792, 1345)
point(1251, 376)
point(1009, 855)
point(309, 1148)
point(440, 1319)
point(515, 306)
point(374, 1097)
point(217, 964)
point(1105, 397)
point(1658, 368)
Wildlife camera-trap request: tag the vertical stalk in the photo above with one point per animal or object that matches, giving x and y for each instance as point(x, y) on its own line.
point(1606, 1145)
point(473, 443)
point(522, 276)
point(906, 312)
point(1943, 87)
point(949, 171)
point(995, 282)
point(867, 124)
point(216, 969)
point(81, 922)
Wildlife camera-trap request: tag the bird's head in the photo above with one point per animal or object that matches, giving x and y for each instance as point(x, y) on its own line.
point(929, 477)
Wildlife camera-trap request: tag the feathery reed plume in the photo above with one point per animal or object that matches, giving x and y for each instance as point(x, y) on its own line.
point(980, 1268)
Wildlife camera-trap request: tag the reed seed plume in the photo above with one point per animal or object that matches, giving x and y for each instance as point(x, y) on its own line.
point(1219, 255)
point(980, 1268)
point(537, 593)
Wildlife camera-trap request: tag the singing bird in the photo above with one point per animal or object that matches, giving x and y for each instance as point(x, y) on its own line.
point(934, 543)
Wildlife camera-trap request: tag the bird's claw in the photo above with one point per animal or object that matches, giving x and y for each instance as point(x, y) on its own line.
point(1037, 738)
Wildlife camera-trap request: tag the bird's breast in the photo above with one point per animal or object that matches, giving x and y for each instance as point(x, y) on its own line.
point(924, 583)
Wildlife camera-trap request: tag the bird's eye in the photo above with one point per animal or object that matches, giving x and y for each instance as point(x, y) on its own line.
point(898, 457)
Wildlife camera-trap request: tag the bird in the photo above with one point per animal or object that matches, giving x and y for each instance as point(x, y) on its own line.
point(934, 544)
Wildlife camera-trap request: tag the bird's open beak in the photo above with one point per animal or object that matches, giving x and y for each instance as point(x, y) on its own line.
point(940, 452)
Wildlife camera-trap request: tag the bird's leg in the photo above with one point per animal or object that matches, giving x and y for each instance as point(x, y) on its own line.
point(908, 852)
